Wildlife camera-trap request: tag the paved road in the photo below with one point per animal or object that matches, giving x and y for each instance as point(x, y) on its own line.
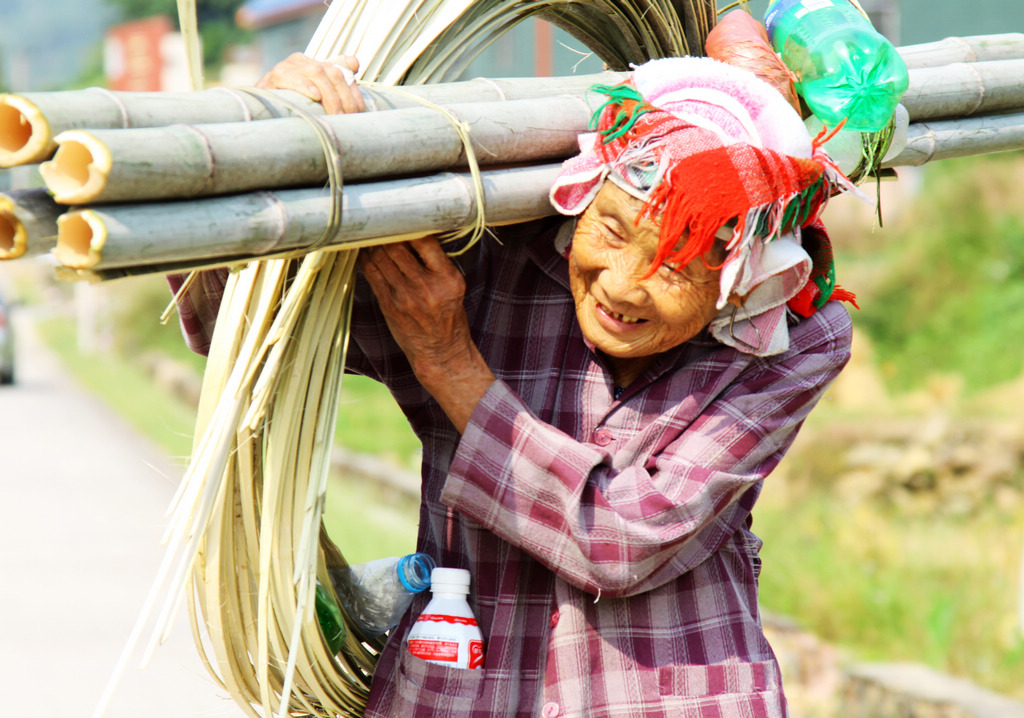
point(82, 502)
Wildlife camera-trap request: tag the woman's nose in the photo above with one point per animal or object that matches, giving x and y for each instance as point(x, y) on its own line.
point(625, 282)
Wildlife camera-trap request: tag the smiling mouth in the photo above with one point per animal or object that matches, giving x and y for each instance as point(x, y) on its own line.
point(623, 318)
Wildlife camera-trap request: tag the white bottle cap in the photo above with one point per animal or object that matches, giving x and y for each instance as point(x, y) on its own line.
point(452, 580)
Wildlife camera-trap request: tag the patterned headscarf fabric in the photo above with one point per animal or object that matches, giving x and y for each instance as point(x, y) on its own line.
point(704, 145)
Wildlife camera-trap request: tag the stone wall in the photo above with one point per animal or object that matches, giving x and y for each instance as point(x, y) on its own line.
point(821, 684)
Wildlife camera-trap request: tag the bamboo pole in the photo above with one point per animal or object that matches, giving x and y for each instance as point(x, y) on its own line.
point(199, 160)
point(183, 234)
point(28, 223)
point(185, 161)
point(965, 88)
point(30, 121)
point(931, 141)
point(974, 48)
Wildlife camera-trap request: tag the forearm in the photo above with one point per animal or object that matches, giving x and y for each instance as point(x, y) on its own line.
point(457, 382)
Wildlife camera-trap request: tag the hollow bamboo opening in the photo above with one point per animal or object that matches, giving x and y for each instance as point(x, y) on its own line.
point(80, 237)
point(12, 235)
point(68, 172)
point(23, 132)
point(79, 168)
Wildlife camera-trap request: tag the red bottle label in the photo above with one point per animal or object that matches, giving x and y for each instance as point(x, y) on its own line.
point(430, 650)
point(439, 618)
point(476, 654)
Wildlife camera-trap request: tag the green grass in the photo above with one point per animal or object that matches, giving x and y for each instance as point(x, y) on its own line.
point(366, 522)
point(370, 422)
point(953, 284)
point(890, 583)
point(127, 388)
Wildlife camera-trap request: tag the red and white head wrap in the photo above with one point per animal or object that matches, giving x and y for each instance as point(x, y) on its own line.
point(705, 144)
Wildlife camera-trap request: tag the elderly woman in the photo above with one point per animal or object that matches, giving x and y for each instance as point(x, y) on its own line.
point(600, 399)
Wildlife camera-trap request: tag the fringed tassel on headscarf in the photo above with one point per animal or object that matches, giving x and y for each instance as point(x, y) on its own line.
point(707, 190)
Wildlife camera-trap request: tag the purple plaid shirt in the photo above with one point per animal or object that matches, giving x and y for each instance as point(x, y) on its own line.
point(614, 571)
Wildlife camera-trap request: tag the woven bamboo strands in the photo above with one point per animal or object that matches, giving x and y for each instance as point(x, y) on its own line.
point(280, 432)
point(28, 223)
point(197, 160)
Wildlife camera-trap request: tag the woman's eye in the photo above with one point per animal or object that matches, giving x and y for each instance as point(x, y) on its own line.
point(612, 232)
point(671, 270)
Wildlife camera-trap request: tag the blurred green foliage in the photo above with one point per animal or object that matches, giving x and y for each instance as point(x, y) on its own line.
point(951, 300)
point(890, 585)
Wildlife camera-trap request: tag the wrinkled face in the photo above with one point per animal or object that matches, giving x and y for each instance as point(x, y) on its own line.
point(625, 315)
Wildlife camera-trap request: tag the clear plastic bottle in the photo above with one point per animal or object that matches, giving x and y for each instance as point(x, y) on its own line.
point(376, 594)
point(844, 68)
point(446, 632)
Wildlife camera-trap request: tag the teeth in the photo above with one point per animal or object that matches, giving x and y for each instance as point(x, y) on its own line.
point(622, 317)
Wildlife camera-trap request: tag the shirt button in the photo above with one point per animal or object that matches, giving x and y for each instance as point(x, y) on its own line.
point(550, 710)
point(554, 619)
point(602, 437)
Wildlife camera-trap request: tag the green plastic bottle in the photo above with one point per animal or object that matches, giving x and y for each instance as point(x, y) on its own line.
point(844, 68)
point(328, 615)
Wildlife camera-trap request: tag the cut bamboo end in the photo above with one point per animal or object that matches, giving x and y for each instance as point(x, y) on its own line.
point(78, 171)
point(13, 241)
point(24, 133)
point(80, 239)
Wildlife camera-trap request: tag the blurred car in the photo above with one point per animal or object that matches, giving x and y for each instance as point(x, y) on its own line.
point(6, 344)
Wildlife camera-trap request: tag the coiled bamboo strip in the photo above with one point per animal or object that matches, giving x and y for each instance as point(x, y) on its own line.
point(185, 161)
point(973, 48)
point(931, 141)
point(266, 223)
point(28, 223)
point(30, 121)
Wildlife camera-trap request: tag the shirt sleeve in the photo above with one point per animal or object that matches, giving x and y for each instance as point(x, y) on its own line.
point(621, 530)
point(198, 305)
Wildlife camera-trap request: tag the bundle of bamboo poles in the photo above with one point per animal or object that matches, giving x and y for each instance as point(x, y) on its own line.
point(116, 176)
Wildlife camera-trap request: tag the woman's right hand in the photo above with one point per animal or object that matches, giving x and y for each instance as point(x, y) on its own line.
point(329, 83)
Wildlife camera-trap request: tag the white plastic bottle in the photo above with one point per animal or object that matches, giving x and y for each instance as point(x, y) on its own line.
point(446, 632)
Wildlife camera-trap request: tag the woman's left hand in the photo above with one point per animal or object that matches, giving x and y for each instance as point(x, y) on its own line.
point(420, 292)
point(330, 83)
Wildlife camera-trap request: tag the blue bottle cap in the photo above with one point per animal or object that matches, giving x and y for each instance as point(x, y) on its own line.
point(414, 571)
